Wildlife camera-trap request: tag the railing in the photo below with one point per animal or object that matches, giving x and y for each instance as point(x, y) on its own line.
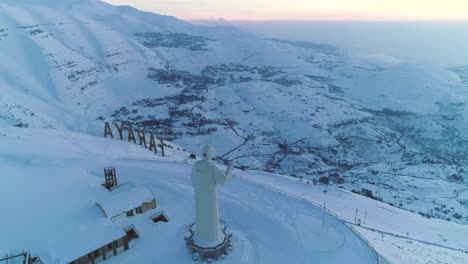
point(25, 257)
point(9, 256)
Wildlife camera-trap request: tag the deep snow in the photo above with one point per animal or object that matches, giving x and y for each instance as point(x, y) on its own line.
point(53, 183)
point(304, 109)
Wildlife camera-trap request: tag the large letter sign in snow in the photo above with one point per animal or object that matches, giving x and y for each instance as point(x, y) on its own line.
point(205, 176)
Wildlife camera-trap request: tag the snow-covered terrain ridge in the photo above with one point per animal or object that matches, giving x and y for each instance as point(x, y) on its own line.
point(51, 208)
point(298, 108)
point(379, 126)
point(284, 223)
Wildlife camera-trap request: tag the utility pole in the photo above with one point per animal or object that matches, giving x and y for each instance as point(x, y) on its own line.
point(378, 190)
point(323, 221)
point(355, 217)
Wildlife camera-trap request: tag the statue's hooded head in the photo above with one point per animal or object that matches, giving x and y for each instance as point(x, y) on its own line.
point(208, 152)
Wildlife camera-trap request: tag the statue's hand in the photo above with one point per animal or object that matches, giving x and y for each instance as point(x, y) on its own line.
point(230, 164)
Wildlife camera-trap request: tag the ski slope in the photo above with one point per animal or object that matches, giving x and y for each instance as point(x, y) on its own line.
point(57, 180)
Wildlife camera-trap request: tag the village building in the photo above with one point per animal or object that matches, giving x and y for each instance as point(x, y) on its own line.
point(87, 230)
point(103, 252)
point(118, 203)
point(77, 234)
point(127, 200)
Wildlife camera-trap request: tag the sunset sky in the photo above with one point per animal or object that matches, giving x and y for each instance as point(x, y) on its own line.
point(306, 9)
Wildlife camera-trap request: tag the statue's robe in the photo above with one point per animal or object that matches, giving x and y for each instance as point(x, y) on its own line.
point(205, 176)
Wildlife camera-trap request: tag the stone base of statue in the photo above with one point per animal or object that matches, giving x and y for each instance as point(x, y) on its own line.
point(201, 251)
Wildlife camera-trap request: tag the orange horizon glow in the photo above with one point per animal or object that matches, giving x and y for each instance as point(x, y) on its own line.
point(306, 10)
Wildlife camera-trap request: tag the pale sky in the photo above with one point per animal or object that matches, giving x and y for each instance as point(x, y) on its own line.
point(306, 9)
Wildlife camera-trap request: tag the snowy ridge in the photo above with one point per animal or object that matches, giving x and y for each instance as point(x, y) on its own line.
point(298, 213)
point(377, 126)
point(295, 222)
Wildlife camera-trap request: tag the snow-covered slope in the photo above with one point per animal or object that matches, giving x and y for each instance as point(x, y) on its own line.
point(274, 219)
point(295, 108)
point(50, 199)
point(379, 126)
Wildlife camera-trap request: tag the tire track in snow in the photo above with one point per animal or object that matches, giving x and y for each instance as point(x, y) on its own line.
point(404, 237)
point(346, 223)
point(251, 239)
point(341, 243)
point(299, 236)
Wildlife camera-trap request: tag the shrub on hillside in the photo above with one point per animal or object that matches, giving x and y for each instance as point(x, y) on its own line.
point(324, 180)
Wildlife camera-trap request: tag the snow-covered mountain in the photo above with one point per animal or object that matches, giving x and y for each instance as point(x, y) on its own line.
point(68, 224)
point(370, 123)
point(51, 188)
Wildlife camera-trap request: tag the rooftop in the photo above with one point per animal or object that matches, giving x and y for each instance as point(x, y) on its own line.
point(124, 198)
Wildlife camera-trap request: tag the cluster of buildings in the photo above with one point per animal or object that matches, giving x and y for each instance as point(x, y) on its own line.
point(95, 233)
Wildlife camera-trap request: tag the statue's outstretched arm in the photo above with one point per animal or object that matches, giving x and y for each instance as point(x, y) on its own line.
point(222, 178)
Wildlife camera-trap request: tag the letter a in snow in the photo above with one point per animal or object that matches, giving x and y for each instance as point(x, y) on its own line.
point(152, 146)
point(131, 136)
point(163, 153)
point(120, 129)
point(107, 130)
point(142, 137)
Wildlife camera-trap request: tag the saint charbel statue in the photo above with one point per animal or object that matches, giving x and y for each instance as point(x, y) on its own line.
point(208, 240)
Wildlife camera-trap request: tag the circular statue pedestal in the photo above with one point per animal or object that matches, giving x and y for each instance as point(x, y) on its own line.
point(213, 252)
